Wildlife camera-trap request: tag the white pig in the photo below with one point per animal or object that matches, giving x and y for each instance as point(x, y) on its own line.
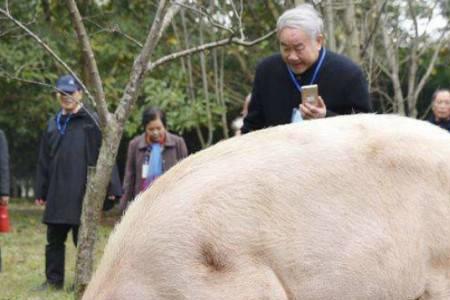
point(354, 207)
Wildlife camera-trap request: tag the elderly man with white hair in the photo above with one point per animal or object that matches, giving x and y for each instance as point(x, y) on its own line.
point(303, 60)
point(441, 109)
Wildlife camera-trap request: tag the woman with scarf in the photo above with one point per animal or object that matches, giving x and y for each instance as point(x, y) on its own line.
point(150, 154)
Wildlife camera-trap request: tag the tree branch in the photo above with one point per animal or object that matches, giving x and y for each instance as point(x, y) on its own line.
point(47, 86)
point(372, 33)
point(6, 32)
point(48, 49)
point(414, 18)
point(171, 12)
point(384, 95)
point(5, 75)
point(115, 28)
point(7, 6)
point(392, 61)
point(239, 17)
point(430, 67)
point(427, 111)
point(206, 15)
point(231, 40)
point(139, 65)
point(88, 53)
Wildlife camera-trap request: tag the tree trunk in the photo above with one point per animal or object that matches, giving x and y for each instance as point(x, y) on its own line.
point(218, 88)
point(97, 182)
point(393, 69)
point(191, 87)
point(409, 47)
point(112, 129)
point(15, 187)
point(87, 235)
point(351, 31)
point(46, 9)
point(329, 23)
point(221, 94)
point(243, 63)
point(205, 89)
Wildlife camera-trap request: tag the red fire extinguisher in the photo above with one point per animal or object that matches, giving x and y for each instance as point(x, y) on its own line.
point(4, 219)
point(4, 225)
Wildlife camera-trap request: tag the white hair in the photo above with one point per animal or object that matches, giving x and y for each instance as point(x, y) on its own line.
point(303, 17)
point(438, 91)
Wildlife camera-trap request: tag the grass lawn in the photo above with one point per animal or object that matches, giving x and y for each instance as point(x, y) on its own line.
point(23, 257)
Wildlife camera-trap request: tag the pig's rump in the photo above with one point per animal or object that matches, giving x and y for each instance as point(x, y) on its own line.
point(352, 207)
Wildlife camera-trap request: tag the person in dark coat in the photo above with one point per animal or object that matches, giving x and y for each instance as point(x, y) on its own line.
point(150, 154)
point(69, 145)
point(441, 109)
point(4, 170)
point(277, 88)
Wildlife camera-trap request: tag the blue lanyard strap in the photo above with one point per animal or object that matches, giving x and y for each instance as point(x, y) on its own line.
point(62, 128)
point(316, 72)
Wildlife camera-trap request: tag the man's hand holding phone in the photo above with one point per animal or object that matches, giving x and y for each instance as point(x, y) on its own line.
point(312, 106)
point(311, 111)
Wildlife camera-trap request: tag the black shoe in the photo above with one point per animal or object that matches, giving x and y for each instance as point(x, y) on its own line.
point(49, 286)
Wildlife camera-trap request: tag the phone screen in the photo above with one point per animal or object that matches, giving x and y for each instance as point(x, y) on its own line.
point(310, 94)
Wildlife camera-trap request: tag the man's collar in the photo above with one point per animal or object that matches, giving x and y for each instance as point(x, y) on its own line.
point(314, 65)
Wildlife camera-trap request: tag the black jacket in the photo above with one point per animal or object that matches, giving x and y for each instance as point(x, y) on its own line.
point(62, 167)
point(4, 165)
point(444, 124)
point(341, 85)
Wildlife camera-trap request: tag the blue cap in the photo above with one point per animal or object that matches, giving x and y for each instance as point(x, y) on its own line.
point(67, 83)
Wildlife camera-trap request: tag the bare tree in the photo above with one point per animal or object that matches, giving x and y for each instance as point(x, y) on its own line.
point(403, 53)
point(205, 87)
point(327, 6)
point(189, 73)
point(112, 123)
point(341, 27)
point(352, 43)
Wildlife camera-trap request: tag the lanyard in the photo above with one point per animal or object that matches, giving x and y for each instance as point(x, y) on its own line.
point(62, 128)
point(316, 72)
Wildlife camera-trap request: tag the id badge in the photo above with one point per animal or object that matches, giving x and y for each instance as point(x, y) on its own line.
point(296, 116)
point(145, 170)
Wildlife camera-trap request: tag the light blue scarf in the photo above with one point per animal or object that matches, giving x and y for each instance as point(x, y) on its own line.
point(296, 116)
point(155, 164)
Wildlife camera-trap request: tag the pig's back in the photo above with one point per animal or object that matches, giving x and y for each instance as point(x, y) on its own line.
point(345, 208)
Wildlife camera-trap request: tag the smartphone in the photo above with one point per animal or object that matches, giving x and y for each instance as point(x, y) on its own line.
point(310, 94)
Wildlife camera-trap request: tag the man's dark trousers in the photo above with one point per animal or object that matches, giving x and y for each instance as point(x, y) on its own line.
point(55, 251)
